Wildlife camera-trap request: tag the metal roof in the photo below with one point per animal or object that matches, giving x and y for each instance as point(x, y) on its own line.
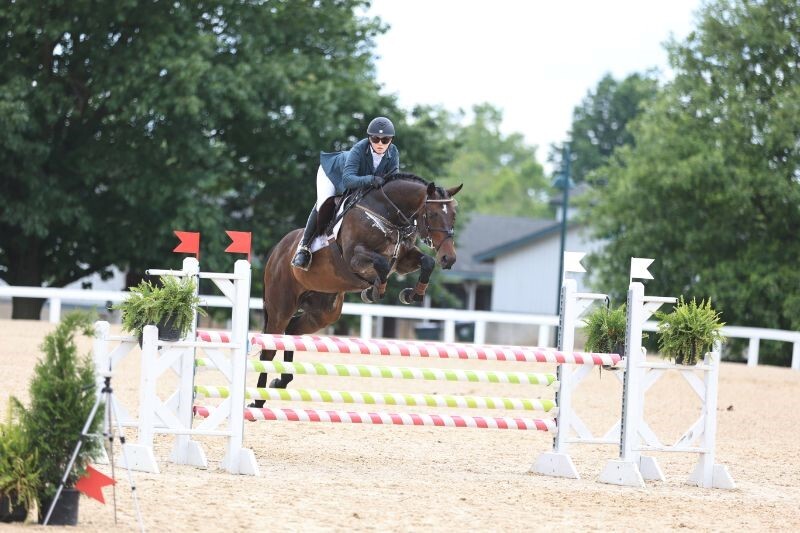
point(484, 233)
point(552, 227)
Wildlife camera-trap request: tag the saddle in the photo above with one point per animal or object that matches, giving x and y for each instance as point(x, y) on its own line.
point(330, 225)
point(327, 224)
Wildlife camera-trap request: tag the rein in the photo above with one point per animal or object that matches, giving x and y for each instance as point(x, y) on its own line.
point(407, 220)
point(403, 232)
point(408, 227)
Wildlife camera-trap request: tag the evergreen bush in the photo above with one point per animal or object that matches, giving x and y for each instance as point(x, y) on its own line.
point(62, 393)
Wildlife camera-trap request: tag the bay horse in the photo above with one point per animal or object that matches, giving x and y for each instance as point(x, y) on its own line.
point(377, 238)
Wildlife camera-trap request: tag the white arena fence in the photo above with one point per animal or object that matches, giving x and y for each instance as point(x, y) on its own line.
point(368, 314)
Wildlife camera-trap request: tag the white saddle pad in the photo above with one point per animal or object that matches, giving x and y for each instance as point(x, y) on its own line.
point(321, 241)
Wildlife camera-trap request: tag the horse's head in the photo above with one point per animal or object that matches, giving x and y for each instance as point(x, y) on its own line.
point(437, 227)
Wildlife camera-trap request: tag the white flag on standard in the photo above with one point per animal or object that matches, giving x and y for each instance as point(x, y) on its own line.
point(639, 268)
point(572, 262)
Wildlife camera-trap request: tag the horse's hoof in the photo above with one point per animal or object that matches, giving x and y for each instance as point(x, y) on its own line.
point(365, 296)
point(407, 296)
point(256, 404)
point(276, 384)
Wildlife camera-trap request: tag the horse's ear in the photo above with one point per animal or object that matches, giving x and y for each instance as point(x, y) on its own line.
point(453, 191)
point(431, 189)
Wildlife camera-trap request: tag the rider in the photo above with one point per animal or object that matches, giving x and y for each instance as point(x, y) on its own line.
point(365, 164)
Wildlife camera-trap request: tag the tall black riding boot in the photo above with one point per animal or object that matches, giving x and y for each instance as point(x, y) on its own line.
point(302, 259)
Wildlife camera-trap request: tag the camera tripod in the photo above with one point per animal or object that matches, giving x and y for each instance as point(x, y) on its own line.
point(109, 404)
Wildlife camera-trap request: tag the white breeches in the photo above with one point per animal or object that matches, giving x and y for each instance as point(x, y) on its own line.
point(325, 188)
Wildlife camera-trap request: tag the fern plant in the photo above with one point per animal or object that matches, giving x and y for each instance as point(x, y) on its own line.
point(173, 304)
point(605, 330)
point(691, 329)
point(19, 468)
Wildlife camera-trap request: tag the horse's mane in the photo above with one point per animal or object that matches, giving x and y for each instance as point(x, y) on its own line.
point(407, 176)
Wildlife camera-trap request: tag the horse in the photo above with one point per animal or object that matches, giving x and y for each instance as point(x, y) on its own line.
point(377, 238)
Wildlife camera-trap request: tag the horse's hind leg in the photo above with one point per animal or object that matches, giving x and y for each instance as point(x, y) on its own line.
point(266, 355)
point(319, 310)
point(271, 325)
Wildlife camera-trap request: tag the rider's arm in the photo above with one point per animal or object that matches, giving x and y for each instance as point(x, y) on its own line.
point(395, 165)
point(350, 177)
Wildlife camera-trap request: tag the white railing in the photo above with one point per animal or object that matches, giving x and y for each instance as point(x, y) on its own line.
point(368, 313)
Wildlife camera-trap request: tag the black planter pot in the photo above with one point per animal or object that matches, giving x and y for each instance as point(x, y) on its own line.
point(619, 349)
point(19, 514)
point(65, 513)
point(166, 331)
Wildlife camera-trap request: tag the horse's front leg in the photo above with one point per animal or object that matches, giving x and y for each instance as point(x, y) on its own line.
point(363, 260)
point(410, 262)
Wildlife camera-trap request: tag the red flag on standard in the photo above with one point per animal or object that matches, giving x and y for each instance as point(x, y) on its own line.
point(190, 242)
point(93, 482)
point(240, 243)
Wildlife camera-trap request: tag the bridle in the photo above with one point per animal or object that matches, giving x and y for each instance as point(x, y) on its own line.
point(450, 233)
point(405, 229)
point(408, 225)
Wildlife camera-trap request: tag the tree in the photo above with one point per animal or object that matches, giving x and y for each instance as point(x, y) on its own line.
point(122, 121)
point(599, 123)
point(500, 173)
point(712, 185)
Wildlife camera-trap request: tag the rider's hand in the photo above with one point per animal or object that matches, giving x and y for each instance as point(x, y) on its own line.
point(378, 181)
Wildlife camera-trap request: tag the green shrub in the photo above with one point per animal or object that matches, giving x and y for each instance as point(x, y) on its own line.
point(62, 393)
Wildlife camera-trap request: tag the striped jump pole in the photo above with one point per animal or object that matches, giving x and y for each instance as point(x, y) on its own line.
point(384, 398)
point(395, 419)
point(340, 345)
point(441, 350)
point(392, 372)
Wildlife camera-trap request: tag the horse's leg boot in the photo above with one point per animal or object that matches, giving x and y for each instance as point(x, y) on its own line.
point(302, 258)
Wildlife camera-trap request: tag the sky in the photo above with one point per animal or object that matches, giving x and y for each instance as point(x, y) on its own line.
point(536, 60)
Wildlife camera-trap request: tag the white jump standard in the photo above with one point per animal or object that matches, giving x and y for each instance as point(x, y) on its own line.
point(632, 468)
point(226, 352)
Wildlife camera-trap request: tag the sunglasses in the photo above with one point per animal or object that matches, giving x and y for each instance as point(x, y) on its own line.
point(383, 140)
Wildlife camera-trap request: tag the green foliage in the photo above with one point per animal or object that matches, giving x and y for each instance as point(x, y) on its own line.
point(599, 123)
point(689, 331)
point(605, 330)
point(19, 470)
point(122, 121)
point(175, 300)
point(62, 393)
point(500, 173)
point(711, 187)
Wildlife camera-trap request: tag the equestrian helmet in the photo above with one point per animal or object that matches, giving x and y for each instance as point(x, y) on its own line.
point(381, 126)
